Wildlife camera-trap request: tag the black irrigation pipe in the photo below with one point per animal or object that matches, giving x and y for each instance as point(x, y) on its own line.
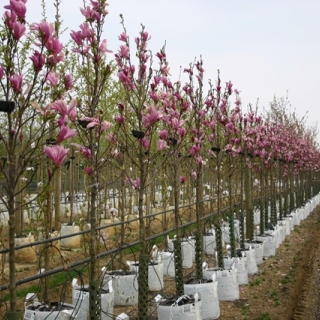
point(44, 241)
point(73, 265)
point(86, 260)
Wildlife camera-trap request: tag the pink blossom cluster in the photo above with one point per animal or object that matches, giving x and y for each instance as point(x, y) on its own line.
point(15, 18)
point(173, 118)
point(58, 153)
point(88, 42)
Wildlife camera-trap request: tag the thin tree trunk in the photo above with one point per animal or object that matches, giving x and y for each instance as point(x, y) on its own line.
point(57, 199)
point(248, 203)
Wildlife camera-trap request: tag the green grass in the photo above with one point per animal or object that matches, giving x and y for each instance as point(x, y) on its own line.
point(255, 282)
point(56, 280)
point(275, 297)
point(264, 316)
point(297, 229)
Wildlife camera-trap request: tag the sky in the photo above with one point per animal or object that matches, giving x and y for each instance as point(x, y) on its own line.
point(266, 48)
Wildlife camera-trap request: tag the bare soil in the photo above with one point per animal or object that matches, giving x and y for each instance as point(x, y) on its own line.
point(288, 284)
point(286, 287)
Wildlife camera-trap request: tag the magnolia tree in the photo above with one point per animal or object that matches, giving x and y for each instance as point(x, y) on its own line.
point(137, 137)
point(214, 124)
point(225, 139)
point(277, 149)
point(172, 145)
point(195, 97)
point(229, 161)
point(34, 110)
point(95, 137)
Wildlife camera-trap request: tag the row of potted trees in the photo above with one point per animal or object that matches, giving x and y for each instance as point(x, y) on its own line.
point(141, 124)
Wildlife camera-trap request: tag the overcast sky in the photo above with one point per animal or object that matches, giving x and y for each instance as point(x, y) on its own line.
point(266, 48)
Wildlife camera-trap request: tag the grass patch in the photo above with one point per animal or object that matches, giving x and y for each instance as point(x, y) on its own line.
point(56, 281)
point(255, 282)
point(264, 316)
point(275, 297)
point(297, 229)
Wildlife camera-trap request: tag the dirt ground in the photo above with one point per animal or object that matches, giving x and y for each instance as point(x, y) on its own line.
point(287, 285)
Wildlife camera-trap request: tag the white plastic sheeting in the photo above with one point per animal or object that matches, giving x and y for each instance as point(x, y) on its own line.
point(168, 263)
point(125, 287)
point(228, 287)
point(80, 299)
point(173, 310)
point(209, 297)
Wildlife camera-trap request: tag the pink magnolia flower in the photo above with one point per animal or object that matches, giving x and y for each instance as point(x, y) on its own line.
point(52, 78)
point(142, 71)
point(123, 37)
point(161, 145)
point(54, 59)
point(199, 160)
point(111, 137)
point(119, 119)
point(56, 153)
point(71, 109)
point(62, 120)
point(229, 87)
point(44, 111)
point(65, 133)
point(88, 171)
point(38, 60)
point(238, 102)
point(105, 125)
point(165, 70)
point(18, 30)
point(16, 82)
point(86, 152)
point(90, 14)
point(1, 71)
point(45, 30)
point(60, 106)
point(194, 150)
point(18, 7)
point(175, 123)
point(54, 45)
point(136, 183)
point(145, 143)
point(151, 117)
point(65, 110)
point(126, 79)
point(68, 82)
point(161, 55)
point(145, 36)
point(182, 131)
point(87, 31)
point(163, 134)
point(124, 52)
point(182, 179)
point(10, 19)
point(77, 37)
point(103, 47)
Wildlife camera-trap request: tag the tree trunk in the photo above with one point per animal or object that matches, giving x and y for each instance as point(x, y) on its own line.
point(200, 223)
point(178, 249)
point(57, 199)
point(143, 258)
point(248, 203)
